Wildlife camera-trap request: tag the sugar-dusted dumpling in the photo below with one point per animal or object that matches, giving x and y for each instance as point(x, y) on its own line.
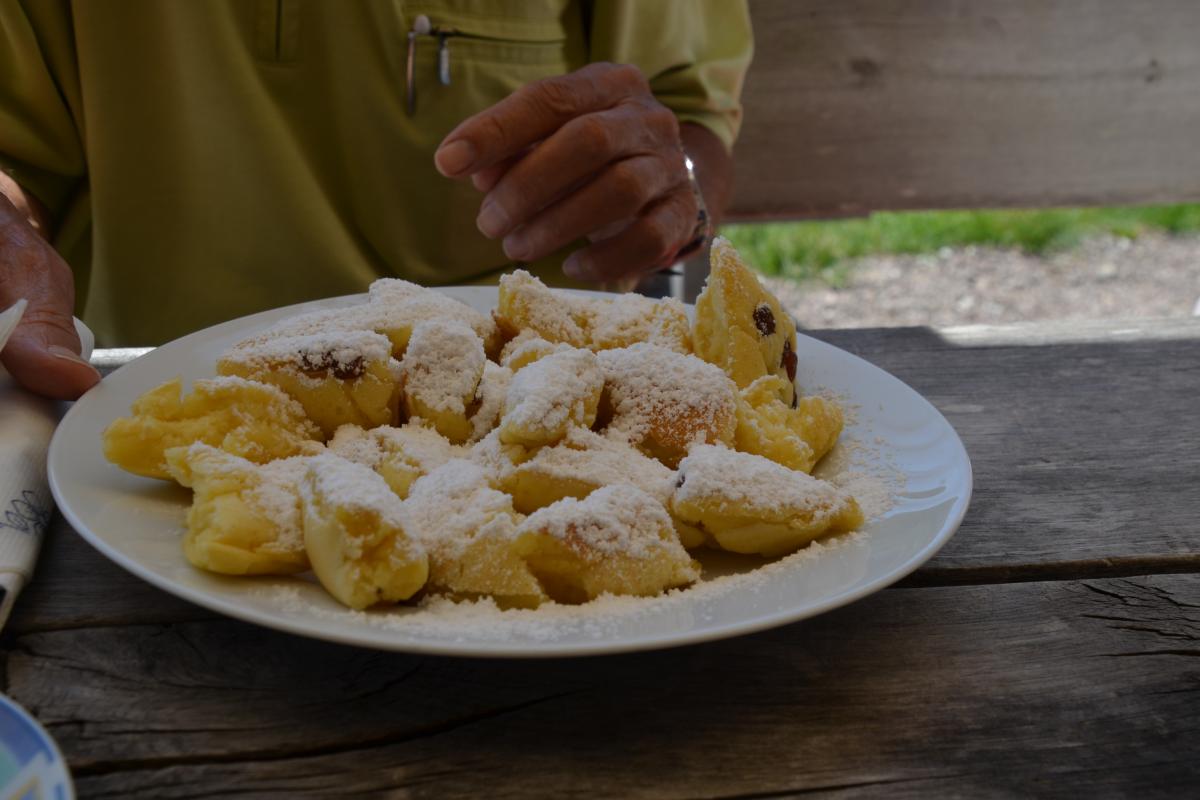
point(340, 378)
point(469, 529)
point(442, 368)
point(741, 327)
point(253, 420)
point(527, 304)
point(618, 540)
point(245, 518)
point(356, 536)
point(550, 396)
point(581, 463)
point(399, 455)
point(749, 504)
point(529, 307)
point(796, 437)
point(664, 402)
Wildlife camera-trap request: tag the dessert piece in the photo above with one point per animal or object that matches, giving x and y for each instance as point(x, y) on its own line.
point(489, 401)
point(253, 420)
point(749, 504)
point(468, 528)
point(393, 308)
point(551, 395)
point(618, 540)
point(633, 318)
point(581, 463)
point(399, 455)
point(796, 437)
point(499, 461)
point(442, 368)
point(399, 306)
point(741, 327)
point(355, 533)
point(527, 348)
point(663, 402)
point(341, 377)
point(527, 306)
point(245, 518)
point(525, 303)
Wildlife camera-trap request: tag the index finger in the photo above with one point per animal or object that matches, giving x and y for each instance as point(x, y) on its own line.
point(532, 113)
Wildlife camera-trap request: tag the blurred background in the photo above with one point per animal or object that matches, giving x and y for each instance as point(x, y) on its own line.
point(946, 162)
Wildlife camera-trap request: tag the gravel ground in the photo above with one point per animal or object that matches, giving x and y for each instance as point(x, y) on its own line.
point(1103, 278)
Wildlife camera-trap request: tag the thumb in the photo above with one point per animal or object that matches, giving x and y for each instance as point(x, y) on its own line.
point(43, 352)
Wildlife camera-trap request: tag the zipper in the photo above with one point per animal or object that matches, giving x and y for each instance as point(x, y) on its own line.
point(423, 27)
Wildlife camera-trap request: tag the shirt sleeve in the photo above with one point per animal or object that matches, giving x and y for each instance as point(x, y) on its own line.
point(40, 108)
point(695, 53)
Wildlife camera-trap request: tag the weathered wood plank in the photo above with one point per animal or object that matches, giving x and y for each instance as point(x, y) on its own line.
point(1082, 437)
point(856, 105)
point(1083, 441)
point(1046, 688)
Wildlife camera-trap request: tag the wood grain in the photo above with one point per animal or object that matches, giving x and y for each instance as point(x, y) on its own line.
point(1053, 689)
point(855, 105)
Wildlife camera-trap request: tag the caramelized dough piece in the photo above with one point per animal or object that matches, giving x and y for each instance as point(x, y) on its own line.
point(551, 395)
point(399, 455)
point(528, 307)
point(253, 420)
point(580, 464)
point(664, 402)
point(619, 540)
point(747, 504)
point(469, 531)
point(355, 535)
point(245, 518)
point(393, 308)
point(796, 437)
point(442, 369)
point(340, 378)
point(741, 327)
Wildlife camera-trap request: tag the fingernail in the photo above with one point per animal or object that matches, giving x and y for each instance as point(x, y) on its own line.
point(577, 268)
point(68, 355)
point(455, 157)
point(492, 221)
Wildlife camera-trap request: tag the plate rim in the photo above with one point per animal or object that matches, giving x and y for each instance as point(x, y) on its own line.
point(486, 649)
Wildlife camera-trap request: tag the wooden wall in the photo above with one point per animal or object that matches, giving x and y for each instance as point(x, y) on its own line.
point(855, 105)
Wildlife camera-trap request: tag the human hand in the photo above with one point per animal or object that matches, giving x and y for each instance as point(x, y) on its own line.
point(43, 352)
point(588, 154)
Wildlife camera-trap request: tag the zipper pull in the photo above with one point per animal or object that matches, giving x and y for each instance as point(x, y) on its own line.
point(421, 27)
point(444, 58)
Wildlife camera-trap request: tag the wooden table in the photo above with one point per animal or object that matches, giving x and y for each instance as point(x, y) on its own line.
point(1051, 649)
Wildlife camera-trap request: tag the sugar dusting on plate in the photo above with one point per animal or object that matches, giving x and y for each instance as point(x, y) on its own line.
point(859, 464)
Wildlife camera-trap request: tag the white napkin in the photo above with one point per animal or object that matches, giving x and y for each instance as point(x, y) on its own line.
point(26, 425)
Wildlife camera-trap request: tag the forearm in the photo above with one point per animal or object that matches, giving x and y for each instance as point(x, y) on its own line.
point(713, 165)
point(24, 205)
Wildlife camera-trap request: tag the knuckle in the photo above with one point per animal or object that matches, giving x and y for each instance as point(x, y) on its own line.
point(628, 185)
point(629, 75)
point(555, 95)
point(595, 135)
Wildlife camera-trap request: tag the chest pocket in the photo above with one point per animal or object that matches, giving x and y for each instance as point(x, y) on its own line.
point(470, 54)
point(277, 30)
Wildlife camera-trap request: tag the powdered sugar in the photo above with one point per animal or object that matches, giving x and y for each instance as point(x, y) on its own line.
point(353, 487)
point(342, 354)
point(489, 400)
point(549, 394)
point(751, 486)
point(651, 386)
point(591, 458)
point(614, 520)
point(451, 505)
point(442, 366)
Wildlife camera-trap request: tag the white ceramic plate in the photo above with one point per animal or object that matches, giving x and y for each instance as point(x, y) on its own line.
point(138, 523)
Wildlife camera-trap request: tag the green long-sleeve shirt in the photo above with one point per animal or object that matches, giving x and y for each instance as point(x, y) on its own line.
point(205, 159)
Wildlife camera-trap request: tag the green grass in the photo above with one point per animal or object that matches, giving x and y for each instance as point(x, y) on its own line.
point(822, 250)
